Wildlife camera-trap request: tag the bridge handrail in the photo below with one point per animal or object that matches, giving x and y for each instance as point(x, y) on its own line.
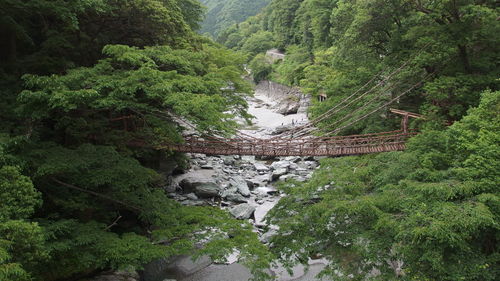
point(298, 141)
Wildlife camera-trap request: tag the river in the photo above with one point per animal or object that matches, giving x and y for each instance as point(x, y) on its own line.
point(247, 188)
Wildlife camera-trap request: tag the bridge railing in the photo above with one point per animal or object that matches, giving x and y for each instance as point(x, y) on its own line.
point(329, 146)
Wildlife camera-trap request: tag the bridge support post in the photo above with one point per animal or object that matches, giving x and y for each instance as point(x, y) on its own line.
point(404, 123)
point(406, 115)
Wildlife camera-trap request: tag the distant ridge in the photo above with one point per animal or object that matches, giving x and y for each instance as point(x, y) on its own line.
point(221, 14)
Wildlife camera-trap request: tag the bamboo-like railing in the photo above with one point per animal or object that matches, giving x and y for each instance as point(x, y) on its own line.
point(312, 146)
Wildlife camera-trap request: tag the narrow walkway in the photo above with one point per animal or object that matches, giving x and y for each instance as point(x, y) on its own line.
point(326, 146)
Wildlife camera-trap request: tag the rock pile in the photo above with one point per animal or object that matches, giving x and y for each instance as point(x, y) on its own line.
point(238, 183)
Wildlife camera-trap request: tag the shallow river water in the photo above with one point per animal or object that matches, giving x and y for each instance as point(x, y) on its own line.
point(263, 107)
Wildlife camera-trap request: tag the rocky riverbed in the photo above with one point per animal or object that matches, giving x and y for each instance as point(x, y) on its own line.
point(243, 185)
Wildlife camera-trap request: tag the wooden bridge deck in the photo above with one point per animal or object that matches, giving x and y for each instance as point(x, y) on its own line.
point(329, 146)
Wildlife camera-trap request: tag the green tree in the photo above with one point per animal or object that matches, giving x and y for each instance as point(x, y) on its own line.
point(261, 68)
point(258, 42)
point(430, 213)
point(86, 113)
point(221, 14)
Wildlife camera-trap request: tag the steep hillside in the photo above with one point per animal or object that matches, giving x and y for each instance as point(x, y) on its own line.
point(335, 47)
point(430, 212)
point(223, 13)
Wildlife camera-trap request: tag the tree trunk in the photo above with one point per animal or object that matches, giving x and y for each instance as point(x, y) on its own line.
point(464, 56)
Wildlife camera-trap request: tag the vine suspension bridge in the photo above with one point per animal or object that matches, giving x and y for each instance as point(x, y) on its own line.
point(304, 140)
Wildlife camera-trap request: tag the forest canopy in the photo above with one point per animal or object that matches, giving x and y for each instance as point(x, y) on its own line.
point(429, 213)
point(90, 93)
point(221, 14)
point(335, 47)
point(93, 90)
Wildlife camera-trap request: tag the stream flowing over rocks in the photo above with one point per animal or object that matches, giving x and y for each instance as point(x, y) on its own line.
point(244, 186)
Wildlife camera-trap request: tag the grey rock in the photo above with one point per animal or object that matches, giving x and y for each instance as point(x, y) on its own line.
point(252, 183)
point(207, 190)
point(233, 196)
point(280, 164)
point(191, 196)
point(228, 171)
point(204, 188)
point(266, 157)
point(279, 172)
point(232, 272)
point(248, 158)
point(170, 188)
point(200, 162)
point(288, 107)
point(242, 211)
point(292, 159)
point(228, 160)
point(263, 179)
point(260, 167)
point(185, 265)
point(266, 237)
point(311, 164)
point(281, 129)
point(179, 197)
point(208, 166)
point(241, 185)
point(236, 198)
point(194, 203)
point(287, 177)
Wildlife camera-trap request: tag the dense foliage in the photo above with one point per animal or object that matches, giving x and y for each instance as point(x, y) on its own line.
point(90, 91)
point(335, 47)
point(223, 13)
point(429, 213)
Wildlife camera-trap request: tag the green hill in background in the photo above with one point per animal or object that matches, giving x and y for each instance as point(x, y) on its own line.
point(223, 13)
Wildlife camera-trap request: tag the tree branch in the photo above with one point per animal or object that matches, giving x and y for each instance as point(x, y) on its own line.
point(115, 222)
point(96, 194)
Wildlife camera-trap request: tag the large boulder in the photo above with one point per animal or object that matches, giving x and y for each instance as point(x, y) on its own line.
point(232, 195)
point(185, 265)
point(227, 160)
point(253, 183)
point(281, 129)
point(260, 167)
point(277, 173)
point(207, 190)
point(263, 179)
point(242, 211)
point(241, 185)
point(287, 106)
point(202, 187)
